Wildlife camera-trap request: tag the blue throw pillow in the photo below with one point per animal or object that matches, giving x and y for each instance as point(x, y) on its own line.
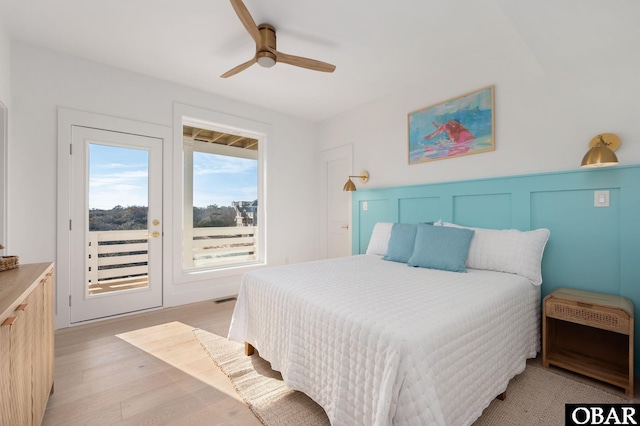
point(440, 247)
point(400, 248)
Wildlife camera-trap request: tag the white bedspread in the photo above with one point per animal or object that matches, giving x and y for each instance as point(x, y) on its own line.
point(380, 343)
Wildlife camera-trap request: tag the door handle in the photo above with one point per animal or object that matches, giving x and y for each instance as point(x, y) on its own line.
point(345, 227)
point(155, 234)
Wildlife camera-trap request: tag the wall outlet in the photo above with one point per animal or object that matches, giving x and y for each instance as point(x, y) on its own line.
point(601, 198)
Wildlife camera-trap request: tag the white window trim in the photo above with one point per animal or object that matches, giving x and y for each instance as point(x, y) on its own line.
point(200, 117)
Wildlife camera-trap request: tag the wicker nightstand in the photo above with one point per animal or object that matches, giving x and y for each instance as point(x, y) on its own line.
point(591, 334)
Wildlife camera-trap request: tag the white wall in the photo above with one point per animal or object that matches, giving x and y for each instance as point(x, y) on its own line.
point(5, 64)
point(545, 118)
point(5, 100)
point(43, 80)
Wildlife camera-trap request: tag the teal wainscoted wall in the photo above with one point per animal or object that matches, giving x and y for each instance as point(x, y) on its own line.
point(590, 248)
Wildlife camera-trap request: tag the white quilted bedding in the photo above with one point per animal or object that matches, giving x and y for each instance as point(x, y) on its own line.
point(380, 343)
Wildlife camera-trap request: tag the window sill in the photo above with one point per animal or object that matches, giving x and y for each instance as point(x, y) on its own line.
point(194, 275)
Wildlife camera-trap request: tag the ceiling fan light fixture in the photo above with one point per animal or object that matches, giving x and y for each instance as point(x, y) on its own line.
point(266, 59)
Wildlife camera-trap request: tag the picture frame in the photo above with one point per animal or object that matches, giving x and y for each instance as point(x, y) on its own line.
point(459, 126)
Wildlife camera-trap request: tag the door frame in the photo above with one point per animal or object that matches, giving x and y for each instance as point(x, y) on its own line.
point(66, 119)
point(344, 151)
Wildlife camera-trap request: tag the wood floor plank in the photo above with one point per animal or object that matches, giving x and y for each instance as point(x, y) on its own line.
point(164, 396)
point(109, 416)
point(186, 404)
point(146, 368)
point(107, 350)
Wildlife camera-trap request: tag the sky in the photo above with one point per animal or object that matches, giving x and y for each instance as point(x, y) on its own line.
point(119, 176)
point(219, 179)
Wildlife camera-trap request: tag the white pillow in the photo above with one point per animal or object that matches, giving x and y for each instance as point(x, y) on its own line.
point(380, 238)
point(507, 250)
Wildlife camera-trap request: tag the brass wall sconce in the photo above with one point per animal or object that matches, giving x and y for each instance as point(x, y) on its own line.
point(350, 186)
point(601, 151)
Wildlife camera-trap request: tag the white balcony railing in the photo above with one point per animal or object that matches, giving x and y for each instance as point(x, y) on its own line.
point(217, 246)
point(118, 259)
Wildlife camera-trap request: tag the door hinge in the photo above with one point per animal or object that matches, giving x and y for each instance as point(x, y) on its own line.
point(69, 224)
point(69, 300)
point(70, 149)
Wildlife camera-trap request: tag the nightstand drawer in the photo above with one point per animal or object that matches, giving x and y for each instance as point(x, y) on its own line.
point(603, 317)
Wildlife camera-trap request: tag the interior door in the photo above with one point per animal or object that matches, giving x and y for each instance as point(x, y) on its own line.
point(338, 209)
point(116, 223)
point(334, 167)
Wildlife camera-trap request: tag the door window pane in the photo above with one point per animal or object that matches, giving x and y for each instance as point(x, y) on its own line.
point(118, 219)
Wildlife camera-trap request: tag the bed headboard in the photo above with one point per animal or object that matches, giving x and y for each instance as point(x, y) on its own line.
point(590, 248)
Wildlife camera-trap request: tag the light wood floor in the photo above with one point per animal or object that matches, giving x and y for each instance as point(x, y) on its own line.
point(144, 369)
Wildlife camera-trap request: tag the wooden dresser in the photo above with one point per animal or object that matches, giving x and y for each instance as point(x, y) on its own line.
point(26, 343)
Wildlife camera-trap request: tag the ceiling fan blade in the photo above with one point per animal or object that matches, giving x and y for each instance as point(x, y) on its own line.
point(299, 61)
point(239, 68)
point(247, 20)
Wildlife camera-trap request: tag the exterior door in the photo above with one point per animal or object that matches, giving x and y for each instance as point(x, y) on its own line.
point(116, 223)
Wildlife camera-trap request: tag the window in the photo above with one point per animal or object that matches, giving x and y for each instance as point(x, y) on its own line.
point(221, 215)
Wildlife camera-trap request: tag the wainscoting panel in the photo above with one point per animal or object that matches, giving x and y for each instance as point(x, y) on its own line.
point(486, 210)
point(369, 212)
point(416, 210)
point(590, 248)
point(585, 249)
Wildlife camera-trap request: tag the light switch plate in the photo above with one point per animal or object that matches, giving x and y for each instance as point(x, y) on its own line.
point(365, 206)
point(601, 198)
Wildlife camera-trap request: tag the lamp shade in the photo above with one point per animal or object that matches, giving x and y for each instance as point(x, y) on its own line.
point(349, 186)
point(599, 155)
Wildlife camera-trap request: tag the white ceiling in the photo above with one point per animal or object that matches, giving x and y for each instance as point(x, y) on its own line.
point(378, 47)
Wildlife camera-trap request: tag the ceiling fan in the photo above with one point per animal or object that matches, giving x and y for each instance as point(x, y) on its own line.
point(266, 53)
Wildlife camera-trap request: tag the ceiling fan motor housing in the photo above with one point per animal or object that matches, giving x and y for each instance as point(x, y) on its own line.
point(264, 57)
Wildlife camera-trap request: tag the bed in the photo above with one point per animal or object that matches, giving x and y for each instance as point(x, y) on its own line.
point(377, 342)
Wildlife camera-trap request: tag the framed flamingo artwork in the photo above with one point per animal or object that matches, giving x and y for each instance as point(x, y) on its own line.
point(459, 126)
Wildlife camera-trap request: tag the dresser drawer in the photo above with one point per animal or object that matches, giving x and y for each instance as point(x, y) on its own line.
point(603, 317)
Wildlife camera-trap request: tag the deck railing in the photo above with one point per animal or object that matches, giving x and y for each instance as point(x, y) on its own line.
point(118, 259)
point(216, 246)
